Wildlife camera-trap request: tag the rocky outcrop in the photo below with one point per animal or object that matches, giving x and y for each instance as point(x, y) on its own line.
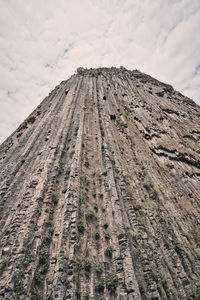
point(100, 193)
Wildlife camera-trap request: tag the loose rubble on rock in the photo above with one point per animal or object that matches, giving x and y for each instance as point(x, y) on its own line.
point(100, 193)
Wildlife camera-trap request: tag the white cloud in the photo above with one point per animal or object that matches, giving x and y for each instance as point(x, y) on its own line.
point(42, 42)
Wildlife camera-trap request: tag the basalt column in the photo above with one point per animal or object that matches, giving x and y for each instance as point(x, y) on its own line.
point(100, 193)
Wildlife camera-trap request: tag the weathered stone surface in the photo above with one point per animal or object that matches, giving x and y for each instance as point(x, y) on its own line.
point(100, 193)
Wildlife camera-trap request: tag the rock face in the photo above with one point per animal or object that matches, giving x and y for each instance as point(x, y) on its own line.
point(100, 193)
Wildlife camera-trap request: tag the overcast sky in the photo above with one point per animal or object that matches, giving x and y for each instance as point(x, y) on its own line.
point(42, 42)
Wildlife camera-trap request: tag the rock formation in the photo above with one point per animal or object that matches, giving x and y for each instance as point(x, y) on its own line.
point(100, 193)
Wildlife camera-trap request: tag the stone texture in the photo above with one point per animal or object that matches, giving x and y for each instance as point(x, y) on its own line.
point(100, 191)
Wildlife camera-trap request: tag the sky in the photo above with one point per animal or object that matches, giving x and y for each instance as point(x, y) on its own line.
point(42, 42)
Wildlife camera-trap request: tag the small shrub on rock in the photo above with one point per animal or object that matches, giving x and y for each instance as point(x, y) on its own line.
point(112, 282)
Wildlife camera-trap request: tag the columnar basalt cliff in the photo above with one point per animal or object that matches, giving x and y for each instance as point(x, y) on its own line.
point(100, 193)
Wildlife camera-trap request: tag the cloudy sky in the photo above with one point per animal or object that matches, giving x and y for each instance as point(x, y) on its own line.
point(42, 42)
